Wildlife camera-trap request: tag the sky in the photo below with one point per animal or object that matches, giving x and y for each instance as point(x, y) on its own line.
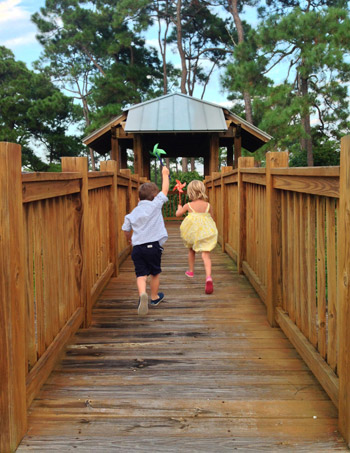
point(17, 33)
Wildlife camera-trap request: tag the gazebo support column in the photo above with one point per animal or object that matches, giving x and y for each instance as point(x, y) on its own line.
point(214, 153)
point(123, 156)
point(229, 155)
point(138, 159)
point(146, 158)
point(207, 162)
point(238, 149)
point(115, 153)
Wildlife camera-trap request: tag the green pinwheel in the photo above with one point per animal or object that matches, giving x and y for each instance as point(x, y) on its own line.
point(157, 153)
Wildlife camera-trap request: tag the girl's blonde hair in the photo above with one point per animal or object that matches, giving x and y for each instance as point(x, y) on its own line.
point(196, 190)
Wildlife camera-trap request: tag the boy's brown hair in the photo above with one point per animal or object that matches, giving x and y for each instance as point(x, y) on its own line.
point(148, 191)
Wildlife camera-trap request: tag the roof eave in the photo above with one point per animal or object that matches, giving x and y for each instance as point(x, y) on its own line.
point(103, 129)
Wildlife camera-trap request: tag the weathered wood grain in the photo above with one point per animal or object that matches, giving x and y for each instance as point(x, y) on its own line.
point(199, 373)
point(13, 420)
point(343, 271)
point(41, 190)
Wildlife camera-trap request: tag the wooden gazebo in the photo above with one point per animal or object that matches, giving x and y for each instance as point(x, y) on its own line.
point(183, 126)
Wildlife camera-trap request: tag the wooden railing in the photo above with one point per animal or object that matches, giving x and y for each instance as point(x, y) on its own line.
point(170, 207)
point(288, 229)
point(60, 241)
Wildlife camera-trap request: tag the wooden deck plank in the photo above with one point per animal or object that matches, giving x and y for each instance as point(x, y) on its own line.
point(199, 373)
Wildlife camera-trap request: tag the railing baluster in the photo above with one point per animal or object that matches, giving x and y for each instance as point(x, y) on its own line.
point(273, 236)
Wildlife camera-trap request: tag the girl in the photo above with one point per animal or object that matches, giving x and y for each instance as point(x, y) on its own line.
point(198, 230)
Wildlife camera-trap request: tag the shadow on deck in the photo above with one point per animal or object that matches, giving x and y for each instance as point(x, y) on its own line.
point(199, 374)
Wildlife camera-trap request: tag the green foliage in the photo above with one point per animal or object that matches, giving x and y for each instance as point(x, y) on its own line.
point(326, 152)
point(184, 177)
point(315, 45)
point(34, 113)
point(95, 50)
point(205, 38)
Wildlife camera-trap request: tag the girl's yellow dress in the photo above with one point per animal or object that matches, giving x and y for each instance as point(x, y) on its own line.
point(198, 231)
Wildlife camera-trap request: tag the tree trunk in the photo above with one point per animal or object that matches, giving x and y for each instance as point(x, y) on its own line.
point(193, 168)
point(167, 162)
point(180, 48)
point(233, 4)
point(162, 44)
point(184, 164)
point(87, 122)
point(306, 143)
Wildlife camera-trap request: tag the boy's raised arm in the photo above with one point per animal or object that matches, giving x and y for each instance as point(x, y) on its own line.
point(165, 181)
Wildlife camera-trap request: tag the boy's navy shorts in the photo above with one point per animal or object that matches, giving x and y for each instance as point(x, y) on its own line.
point(147, 258)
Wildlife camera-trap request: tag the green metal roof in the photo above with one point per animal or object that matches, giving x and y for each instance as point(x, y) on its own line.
point(175, 113)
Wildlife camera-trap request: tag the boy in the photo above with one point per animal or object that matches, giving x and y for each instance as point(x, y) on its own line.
point(147, 237)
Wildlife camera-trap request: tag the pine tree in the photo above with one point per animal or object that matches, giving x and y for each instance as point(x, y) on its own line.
point(313, 45)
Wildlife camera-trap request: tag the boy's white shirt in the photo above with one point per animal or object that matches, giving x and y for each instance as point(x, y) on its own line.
point(146, 221)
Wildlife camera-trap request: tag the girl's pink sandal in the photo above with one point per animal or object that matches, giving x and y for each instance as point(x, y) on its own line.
point(209, 288)
point(189, 274)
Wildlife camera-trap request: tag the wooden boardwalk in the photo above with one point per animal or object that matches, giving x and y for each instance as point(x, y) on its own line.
point(199, 374)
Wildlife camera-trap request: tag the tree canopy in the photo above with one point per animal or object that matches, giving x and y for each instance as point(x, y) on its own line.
point(285, 68)
point(35, 114)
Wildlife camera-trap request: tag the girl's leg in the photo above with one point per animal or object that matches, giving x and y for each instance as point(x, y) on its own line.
point(191, 260)
point(207, 263)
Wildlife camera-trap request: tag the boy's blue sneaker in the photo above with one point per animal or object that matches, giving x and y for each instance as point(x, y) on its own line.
point(157, 301)
point(142, 307)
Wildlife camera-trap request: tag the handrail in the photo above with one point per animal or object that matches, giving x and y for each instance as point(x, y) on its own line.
point(61, 241)
point(288, 229)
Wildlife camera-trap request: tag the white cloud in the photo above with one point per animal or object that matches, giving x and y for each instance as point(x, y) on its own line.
point(24, 40)
point(152, 42)
point(226, 104)
point(10, 11)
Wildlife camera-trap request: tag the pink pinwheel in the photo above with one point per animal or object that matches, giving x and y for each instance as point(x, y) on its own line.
point(179, 186)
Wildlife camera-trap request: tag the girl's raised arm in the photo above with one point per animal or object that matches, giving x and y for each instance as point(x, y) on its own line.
point(181, 210)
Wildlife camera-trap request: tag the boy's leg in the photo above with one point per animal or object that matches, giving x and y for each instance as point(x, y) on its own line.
point(142, 308)
point(141, 284)
point(155, 281)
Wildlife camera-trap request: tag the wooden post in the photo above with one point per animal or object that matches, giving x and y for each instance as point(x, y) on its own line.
point(243, 162)
point(115, 152)
point(138, 160)
point(207, 163)
point(273, 236)
point(123, 156)
point(217, 220)
point(127, 172)
point(224, 209)
point(111, 165)
point(229, 149)
point(237, 146)
point(13, 407)
point(80, 164)
point(214, 153)
point(344, 289)
point(146, 166)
